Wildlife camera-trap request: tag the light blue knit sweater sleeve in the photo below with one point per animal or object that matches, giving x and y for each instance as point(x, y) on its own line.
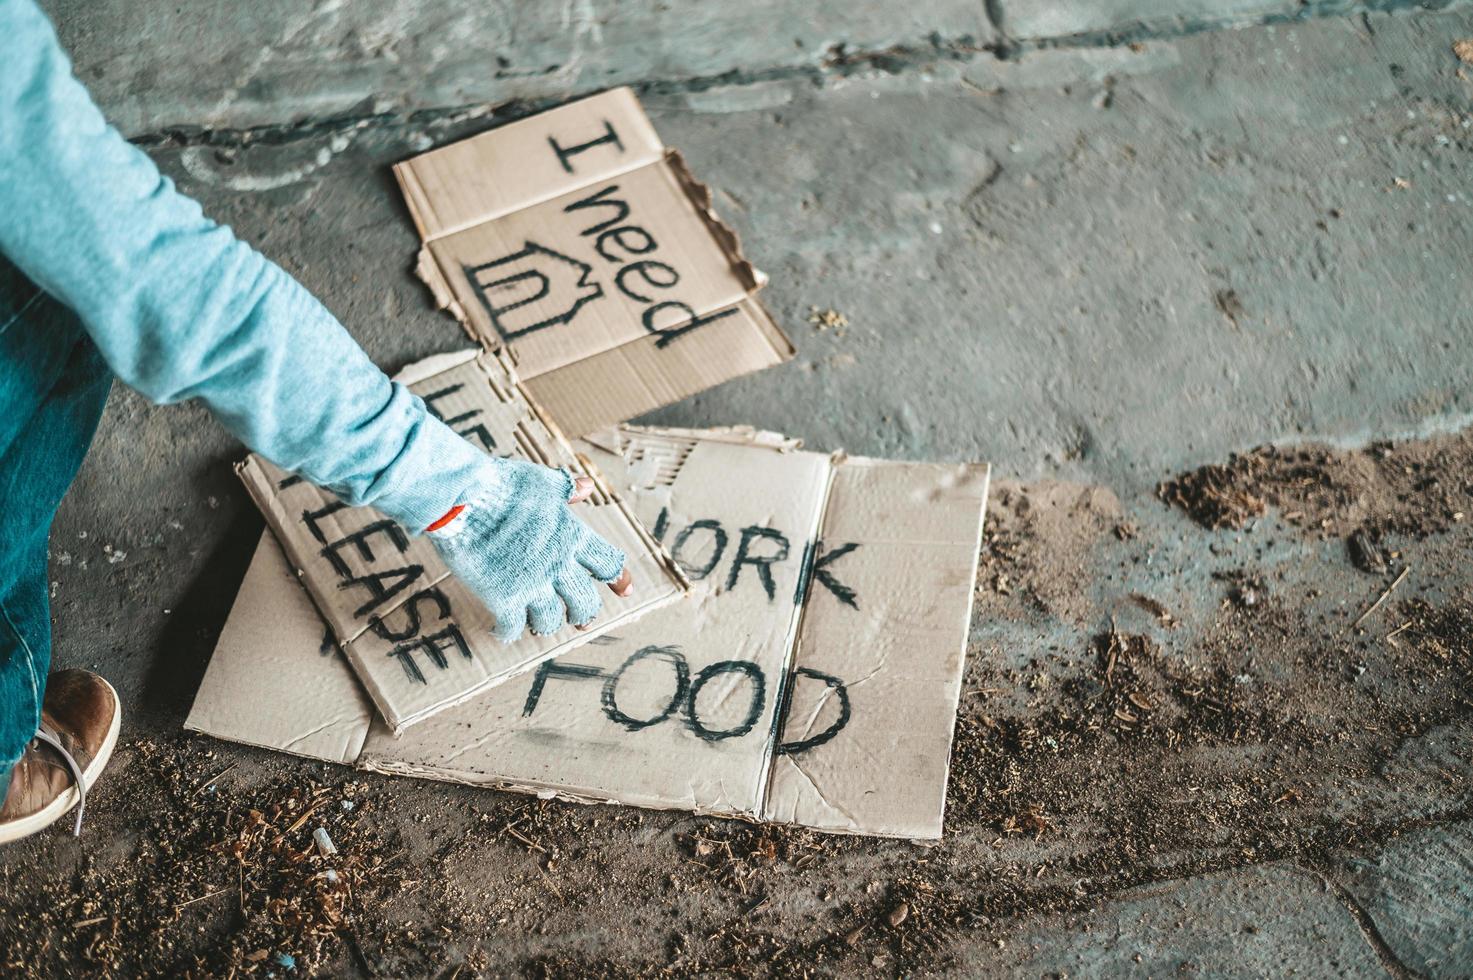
point(181, 309)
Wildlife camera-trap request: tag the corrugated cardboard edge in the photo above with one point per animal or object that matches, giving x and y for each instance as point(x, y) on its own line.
point(742, 435)
point(428, 367)
point(699, 195)
point(249, 472)
point(545, 792)
point(428, 271)
point(986, 469)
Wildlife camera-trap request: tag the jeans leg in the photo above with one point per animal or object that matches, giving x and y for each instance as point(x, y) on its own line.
point(53, 385)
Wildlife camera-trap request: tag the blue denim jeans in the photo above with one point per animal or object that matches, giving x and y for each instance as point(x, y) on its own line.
point(53, 384)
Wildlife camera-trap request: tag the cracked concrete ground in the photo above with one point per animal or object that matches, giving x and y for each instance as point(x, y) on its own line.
point(1095, 243)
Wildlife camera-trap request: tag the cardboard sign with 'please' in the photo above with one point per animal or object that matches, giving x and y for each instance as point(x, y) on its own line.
point(419, 640)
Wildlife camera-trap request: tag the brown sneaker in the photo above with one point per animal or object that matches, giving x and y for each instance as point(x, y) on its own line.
point(79, 727)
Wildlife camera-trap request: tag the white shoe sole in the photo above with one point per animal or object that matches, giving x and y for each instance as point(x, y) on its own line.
point(13, 830)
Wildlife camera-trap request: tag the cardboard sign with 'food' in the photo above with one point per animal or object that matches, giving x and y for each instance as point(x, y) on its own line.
point(419, 639)
point(580, 246)
point(811, 677)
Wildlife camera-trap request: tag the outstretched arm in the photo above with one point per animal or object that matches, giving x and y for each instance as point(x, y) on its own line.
point(182, 309)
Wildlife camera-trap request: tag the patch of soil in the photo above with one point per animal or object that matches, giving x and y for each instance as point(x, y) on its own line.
point(223, 881)
point(1071, 517)
point(1411, 489)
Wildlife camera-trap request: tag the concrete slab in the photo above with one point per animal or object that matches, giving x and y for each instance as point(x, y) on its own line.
point(1037, 22)
point(1008, 270)
point(1270, 921)
point(1419, 892)
point(218, 64)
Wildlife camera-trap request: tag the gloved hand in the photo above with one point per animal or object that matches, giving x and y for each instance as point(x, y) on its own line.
point(517, 545)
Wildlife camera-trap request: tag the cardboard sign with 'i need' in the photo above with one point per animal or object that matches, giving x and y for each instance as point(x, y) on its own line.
point(576, 243)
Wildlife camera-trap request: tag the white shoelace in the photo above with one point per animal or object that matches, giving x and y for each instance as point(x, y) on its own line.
point(46, 737)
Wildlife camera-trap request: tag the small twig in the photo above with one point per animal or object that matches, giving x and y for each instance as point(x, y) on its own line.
point(548, 881)
point(1382, 597)
point(303, 818)
point(200, 899)
point(525, 840)
point(1399, 630)
point(213, 778)
point(89, 922)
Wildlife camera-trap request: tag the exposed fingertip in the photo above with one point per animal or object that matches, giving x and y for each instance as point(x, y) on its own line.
point(582, 490)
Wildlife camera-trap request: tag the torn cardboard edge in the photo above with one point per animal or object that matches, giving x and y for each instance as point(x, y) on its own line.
point(811, 678)
point(418, 639)
point(580, 245)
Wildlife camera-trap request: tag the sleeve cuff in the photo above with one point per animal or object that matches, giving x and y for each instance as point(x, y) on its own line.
point(437, 471)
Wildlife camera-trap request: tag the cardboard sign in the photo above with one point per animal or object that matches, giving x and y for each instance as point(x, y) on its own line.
point(580, 246)
point(419, 639)
point(812, 676)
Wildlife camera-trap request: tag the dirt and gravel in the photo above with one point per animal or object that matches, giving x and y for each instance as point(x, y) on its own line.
point(1270, 662)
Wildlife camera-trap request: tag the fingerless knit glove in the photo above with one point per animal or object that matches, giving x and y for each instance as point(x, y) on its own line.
point(517, 545)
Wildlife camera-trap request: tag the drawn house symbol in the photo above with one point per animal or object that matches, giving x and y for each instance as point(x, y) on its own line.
point(532, 289)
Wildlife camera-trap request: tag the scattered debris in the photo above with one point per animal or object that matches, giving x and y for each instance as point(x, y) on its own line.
point(1245, 591)
point(828, 319)
point(1368, 551)
point(1407, 490)
point(325, 845)
point(1115, 649)
point(236, 868)
point(1228, 304)
point(1162, 614)
point(1213, 496)
point(1382, 597)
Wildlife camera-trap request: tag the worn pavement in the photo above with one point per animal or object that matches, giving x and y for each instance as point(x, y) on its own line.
point(1100, 241)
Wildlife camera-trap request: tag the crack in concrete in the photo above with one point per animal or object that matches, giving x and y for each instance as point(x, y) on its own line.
point(1174, 28)
point(838, 61)
point(1367, 925)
